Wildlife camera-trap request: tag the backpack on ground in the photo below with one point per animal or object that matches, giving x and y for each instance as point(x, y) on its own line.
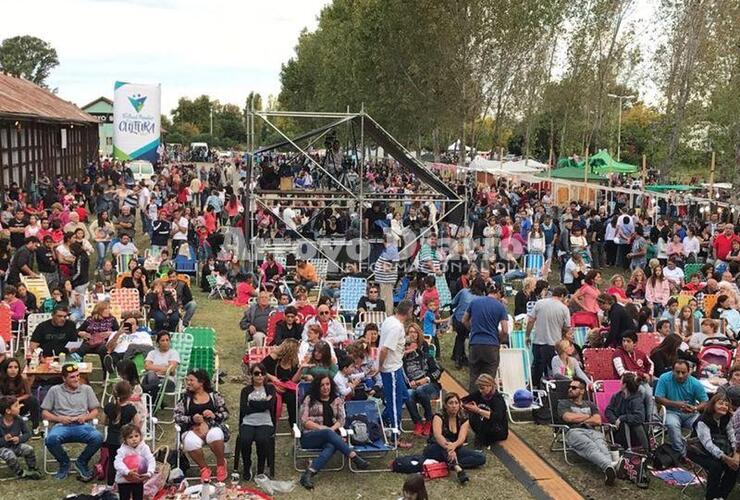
point(665, 457)
point(407, 465)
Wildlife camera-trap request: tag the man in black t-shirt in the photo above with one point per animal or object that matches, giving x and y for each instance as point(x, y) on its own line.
point(17, 226)
point(53, 334)
point(161, 232)
point(22, 261)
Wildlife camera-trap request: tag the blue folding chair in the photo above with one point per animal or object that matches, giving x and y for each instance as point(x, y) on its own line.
point(533, 263)
point(380, 447)
point(579, 335)
point(351, 290)
point(518, 340)
point(299, 452)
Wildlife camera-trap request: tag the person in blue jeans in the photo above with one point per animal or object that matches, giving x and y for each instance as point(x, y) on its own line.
point(321, 417)
point(71, 407)
point(684, 399)
point(422, 378)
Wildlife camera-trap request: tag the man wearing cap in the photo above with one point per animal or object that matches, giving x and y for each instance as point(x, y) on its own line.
point(488, 322)
point(71, 407)
point(549, 319)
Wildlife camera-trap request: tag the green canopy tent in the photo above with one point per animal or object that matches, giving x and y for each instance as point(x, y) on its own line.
point(603, 163)
point(571, 173)
point(569, 162)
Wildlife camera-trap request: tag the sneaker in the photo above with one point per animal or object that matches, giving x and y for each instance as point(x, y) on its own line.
point(462, 477)
point(221, 473)
point(418, 429)
point(610, 475)
point(84, 472)
point(108, 364)
point(307, 480)
point(31, 474)
point(63, 472)
point(360, 463)
point(427, 428)
point(205, 474)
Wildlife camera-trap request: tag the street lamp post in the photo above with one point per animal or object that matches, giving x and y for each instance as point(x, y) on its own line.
point(619, 126)
point(211, 133)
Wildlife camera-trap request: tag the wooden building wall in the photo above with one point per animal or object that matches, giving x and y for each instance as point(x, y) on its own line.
point(33, 147)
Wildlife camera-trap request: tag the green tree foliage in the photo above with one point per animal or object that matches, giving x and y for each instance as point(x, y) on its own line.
point(191, 122)
point(28, 57)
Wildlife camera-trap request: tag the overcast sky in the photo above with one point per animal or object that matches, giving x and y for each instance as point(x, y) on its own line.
point(223, 48)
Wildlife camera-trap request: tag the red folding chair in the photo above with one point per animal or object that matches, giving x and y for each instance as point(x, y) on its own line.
point(584, 318)
point(647, 341)
point(598, 363)
point(272, 322)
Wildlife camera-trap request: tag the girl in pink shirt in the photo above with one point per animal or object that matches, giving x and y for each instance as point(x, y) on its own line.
point(12, 302)
point(586, 295)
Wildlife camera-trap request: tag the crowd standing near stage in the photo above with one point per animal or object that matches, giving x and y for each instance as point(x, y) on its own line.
point(562, 282)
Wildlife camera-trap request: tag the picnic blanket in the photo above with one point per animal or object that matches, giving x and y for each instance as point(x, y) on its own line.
point(677, 477)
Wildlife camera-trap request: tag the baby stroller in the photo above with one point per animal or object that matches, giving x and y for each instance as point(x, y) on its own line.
point(714, 361)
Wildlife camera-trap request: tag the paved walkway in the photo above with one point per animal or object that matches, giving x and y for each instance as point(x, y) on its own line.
point(540, 474)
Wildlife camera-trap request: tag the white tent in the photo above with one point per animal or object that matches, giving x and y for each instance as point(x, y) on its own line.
point(455, 146)
point(495, 166)
point(531, 163)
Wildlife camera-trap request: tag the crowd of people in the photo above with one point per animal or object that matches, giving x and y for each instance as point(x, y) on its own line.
point(676, 276)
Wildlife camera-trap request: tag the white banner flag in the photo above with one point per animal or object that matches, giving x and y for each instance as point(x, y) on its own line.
point(136, 121)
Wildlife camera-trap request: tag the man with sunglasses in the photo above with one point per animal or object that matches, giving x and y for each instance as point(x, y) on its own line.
point(582, 417)
point(71, 407)
point(332, 330)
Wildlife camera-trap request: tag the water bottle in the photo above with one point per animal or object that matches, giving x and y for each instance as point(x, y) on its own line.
point(62, 358)
point(205, 490)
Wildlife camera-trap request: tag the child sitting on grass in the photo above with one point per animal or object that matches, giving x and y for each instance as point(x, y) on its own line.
point(14, 440)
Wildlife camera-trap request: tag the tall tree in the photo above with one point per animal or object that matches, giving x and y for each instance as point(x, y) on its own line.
point(28, 57)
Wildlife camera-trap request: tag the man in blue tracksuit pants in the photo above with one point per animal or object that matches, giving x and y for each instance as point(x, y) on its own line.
point(390, 363)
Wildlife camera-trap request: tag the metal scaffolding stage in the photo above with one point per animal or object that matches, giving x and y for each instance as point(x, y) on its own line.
point(339, 193)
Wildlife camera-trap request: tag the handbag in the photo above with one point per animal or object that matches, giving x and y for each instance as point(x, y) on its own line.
point(435, 470)
point(161, 473)
point(633, 466)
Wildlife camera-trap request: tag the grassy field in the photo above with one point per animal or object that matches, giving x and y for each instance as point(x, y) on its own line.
point(498, 481)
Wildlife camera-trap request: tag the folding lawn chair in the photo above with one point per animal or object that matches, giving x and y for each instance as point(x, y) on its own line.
point(37, 286)
point(379, 448)
point(215, 288)
point(514, 374)
point(183, 344)
point(598, 363)
point(533, 263)
point(299, 452)
point(647, 341)
point(351, 291)
point(580, 335)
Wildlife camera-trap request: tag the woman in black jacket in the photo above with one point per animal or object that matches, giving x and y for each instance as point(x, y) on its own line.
point(712, 446)
point(257, 422)
point(81, 268)
point(162, 307)
point(487, 411)
point(422, 374)
point(626, 410)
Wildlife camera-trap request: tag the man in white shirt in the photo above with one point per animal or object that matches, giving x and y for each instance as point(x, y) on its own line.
point(124, 246)
point(180, 225)
point(291, 218)
point(673, 273)
point(390, 364)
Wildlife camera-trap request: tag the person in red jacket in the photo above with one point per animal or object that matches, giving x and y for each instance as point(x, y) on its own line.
point(628, 359)
point(723, 242)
